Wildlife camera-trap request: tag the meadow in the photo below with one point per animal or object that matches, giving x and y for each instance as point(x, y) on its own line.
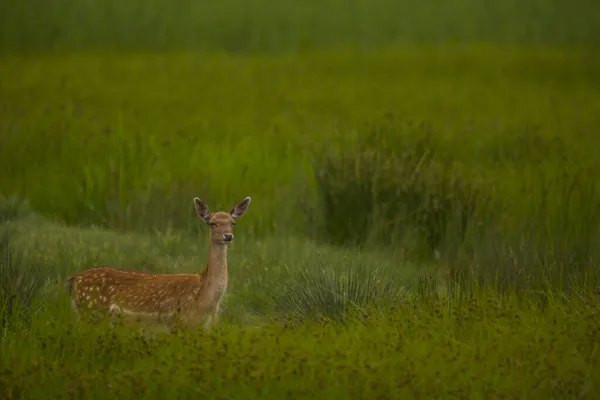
point(424, 181)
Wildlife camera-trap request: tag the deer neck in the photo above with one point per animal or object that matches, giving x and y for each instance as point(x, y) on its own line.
point(215, 281)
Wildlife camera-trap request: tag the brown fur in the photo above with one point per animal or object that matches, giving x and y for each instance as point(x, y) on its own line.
point(162, 298)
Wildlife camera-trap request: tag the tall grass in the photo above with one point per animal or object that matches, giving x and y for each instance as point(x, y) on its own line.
point(22, 284)
point(487, 181)
point(424, 220)
point(533, 224)
point(373, 343)
point(137, 143)
point(275, 26)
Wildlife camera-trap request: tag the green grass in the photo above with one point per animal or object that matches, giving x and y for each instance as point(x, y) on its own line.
point(275, 26)
point(424, 219)
point(141, 134)
point(426, 344)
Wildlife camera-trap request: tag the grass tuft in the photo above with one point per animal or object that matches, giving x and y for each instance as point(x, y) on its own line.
point(22, 280)
point(338, 286)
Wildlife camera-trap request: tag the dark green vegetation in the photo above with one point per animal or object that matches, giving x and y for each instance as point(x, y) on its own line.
point(411, 344)
point(425, 219)
point(275, 26)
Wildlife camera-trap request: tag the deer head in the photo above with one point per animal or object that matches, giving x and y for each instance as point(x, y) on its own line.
point(221, 223)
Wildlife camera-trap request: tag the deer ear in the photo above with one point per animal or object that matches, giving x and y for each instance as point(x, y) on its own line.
point(201, 209)
point(240, 208)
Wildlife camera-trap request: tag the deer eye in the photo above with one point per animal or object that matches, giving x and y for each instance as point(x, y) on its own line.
point(233, 224)
point(213, 224)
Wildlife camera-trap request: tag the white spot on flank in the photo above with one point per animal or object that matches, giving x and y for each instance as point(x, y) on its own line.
point(114, 307)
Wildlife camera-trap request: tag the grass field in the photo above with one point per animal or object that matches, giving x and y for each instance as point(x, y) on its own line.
point(292, 328)
point(424, 219)
point(274, 26)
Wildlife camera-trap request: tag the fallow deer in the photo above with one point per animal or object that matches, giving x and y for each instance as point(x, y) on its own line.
point(163, 299)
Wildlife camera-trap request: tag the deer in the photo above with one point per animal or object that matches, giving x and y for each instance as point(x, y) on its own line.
point(163, 300)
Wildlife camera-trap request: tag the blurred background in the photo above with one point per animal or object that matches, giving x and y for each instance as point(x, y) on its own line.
point(454, 132)
point(274, 26)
